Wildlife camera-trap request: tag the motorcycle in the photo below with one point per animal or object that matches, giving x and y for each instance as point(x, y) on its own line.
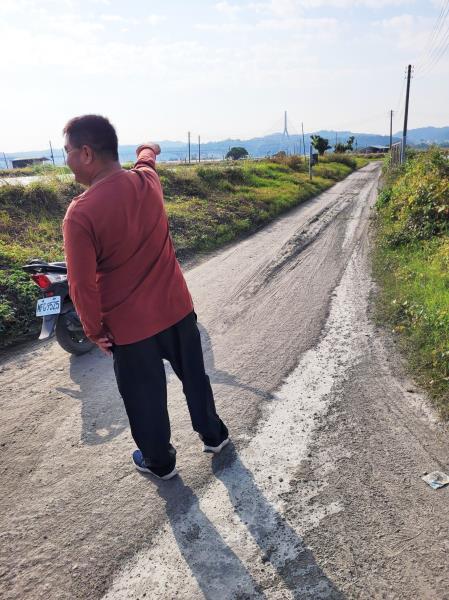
point(58, 314)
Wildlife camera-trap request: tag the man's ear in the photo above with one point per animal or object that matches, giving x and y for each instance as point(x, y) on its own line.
point(87, 155)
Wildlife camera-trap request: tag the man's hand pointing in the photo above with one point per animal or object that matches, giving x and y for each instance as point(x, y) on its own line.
point(151, 145)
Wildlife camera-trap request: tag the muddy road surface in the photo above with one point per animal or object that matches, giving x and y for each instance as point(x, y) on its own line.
point(318, 496)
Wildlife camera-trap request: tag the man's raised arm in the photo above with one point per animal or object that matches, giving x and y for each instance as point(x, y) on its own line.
point(146, 155)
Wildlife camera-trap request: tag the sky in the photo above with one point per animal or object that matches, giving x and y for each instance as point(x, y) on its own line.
point(220, 69)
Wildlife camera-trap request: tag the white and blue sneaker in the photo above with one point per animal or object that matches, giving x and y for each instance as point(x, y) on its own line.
point(215, 449)
point(140, 464)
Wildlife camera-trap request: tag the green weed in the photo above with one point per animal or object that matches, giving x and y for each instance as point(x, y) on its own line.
point(411, 264)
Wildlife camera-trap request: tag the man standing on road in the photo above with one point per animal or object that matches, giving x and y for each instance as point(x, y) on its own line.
point(130, 293)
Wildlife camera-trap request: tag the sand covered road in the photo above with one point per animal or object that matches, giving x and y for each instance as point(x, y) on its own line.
point(319, 495)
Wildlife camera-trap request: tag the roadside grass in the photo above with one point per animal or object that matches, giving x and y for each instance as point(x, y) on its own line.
point(411, 264)
point(30, 227)
point(42, 169)
point(208, 205)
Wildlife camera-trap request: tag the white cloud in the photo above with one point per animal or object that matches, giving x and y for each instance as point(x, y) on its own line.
point(280, 8)
point(288, 7)
point(407, 32)
point(351, 3)
point(155, 19)
point(227, 8)
point(233, 27)
point(113, 18)
point(319, 29)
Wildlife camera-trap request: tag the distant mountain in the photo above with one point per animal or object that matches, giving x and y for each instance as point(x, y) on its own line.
point(428, 135)
point(260, 146)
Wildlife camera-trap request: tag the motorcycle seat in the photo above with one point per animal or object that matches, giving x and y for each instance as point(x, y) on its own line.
point(41, 266)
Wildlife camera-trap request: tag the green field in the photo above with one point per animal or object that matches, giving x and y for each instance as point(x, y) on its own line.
point(208, 206)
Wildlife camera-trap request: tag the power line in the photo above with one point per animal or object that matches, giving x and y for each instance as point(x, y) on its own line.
point(438, 42)
point(433, 36)
point(437, 25)
point(438, 55)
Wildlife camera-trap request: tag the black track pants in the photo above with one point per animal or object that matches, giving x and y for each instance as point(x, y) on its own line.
point(141, 381)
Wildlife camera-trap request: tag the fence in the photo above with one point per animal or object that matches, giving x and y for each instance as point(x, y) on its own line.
point(396, 153)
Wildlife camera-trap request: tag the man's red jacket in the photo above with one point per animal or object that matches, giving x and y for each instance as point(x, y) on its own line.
point(124, 278)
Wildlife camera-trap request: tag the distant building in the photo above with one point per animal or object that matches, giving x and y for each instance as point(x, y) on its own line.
point(18, 163)
point(374, 149)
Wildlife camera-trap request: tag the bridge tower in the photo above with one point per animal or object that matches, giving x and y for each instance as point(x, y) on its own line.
point(285, 125)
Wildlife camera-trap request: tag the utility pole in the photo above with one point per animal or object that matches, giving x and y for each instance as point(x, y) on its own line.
point(303, 141)
point(407, 96)
point(310, 162)
point(199, 148)
point(336, 139)
point(51, 153)
point(188, 136)
point(6, 160)
point(391, 129)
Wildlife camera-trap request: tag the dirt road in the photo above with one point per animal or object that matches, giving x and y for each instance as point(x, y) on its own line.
point(319, 495)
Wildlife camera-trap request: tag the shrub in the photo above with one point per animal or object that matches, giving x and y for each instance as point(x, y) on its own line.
point(181, 180)
point(297, 163)
point(236, 175)
point(340, 158)
point(417, 204)
point(211, 175)
point(18, 295)
point(50, 197)
point(384, 197)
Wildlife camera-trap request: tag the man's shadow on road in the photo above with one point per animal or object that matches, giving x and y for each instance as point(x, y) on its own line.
point(216, 375)
point(103, 415)
point(217, 569)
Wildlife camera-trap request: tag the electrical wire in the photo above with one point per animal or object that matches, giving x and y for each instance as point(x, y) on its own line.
point(433, 36)
point(437, 43)
point(440, 52)
point(437, 26)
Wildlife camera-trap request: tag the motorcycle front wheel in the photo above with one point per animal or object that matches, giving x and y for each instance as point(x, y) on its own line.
point(72, 338)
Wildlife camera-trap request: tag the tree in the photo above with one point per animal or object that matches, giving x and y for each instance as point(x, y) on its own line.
point(320, 144)
point(350, 143)
point(237, 152)
point(342, 148)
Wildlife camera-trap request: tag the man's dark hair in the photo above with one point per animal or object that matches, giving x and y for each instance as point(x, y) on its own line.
point(94, 131)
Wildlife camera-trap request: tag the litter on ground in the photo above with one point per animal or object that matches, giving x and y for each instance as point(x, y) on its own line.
point(436, 479)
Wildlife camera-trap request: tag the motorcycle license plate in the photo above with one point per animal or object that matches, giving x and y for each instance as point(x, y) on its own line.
point(48, 306)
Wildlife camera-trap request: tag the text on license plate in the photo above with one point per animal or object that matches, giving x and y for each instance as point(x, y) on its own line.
point(48, 306)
